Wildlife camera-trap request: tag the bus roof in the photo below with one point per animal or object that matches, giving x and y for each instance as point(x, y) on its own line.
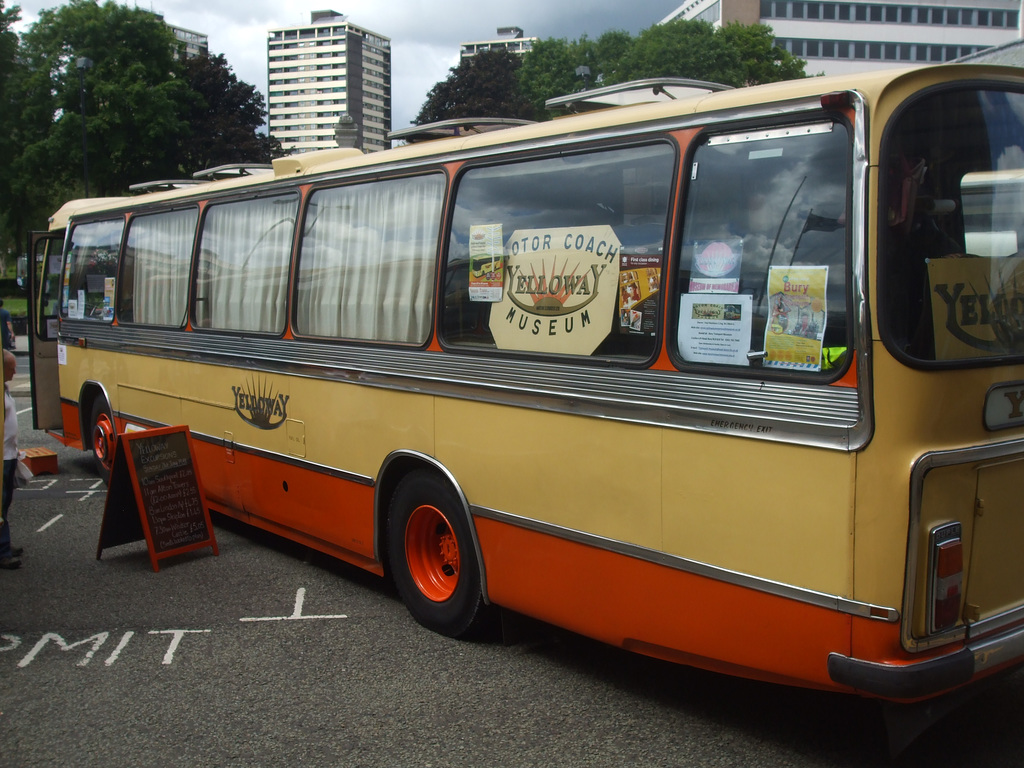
point(872, 85)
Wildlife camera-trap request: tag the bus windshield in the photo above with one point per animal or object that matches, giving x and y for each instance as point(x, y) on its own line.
point(952, 242)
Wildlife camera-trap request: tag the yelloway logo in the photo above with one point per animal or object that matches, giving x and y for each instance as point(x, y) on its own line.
point(560, 290)
point(259, 405)
point(977, 306)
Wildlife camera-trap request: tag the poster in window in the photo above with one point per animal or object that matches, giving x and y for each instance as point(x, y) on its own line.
point(716, 266)
point(486, 262)
point(108, 298)
point(561, 289)
point(796, 317)
point(639, 286)
point(715, 328)
point(977, 306)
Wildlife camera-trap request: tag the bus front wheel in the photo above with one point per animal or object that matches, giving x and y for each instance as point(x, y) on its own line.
point(431, 554)
point(102, 436)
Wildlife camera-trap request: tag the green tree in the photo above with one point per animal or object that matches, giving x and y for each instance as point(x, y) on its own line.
point(551, 67)
point(735, 54)
point(761, 60)
point(609, 52)
point(484, 85)
point(224, 120)
point(8, 73)
point(134, 94)
point(549, 70)
point(680, 49)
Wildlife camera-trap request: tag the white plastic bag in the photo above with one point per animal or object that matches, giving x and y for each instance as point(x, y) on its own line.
point(22, 474)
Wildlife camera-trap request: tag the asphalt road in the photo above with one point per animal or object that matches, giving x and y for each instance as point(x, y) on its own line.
point(271, 655)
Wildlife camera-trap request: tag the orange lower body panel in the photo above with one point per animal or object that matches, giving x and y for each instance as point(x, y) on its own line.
point(71, 432)
point(661, 611)
point(326, 513)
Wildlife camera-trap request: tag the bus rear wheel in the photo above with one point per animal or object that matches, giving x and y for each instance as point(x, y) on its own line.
point(433, 563)
point(102, 436)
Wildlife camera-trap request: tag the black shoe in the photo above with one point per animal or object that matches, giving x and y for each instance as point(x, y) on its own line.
point(17, 551)
point(10, 563)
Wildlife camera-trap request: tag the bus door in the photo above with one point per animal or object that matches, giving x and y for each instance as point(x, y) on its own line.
point(44, 304)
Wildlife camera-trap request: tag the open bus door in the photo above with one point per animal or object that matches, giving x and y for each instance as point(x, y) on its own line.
point(44, 304)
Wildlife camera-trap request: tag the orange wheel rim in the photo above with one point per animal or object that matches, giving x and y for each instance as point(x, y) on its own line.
point(432, 552)
point(103, 440)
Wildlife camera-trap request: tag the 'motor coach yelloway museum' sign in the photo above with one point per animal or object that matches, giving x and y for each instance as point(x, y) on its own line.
point(560, 290)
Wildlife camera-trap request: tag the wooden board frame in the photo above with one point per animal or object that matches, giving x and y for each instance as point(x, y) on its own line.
point(155, 494)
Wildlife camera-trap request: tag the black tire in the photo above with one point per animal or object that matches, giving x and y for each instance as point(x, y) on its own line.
point(433, 562)
point(102, 436)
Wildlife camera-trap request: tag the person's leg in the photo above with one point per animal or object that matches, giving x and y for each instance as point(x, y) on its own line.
point(5, 528)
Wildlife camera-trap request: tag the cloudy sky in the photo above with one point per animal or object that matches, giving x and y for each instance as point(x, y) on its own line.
point(425, 36)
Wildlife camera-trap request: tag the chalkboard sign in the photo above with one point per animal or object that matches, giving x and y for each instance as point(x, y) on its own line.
point(155, 494)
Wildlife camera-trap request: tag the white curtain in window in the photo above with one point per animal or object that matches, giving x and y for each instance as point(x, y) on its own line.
point(368, 257)
point(160, 247)
point(243, 265)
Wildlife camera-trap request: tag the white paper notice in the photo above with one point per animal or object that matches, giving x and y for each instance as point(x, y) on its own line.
point(715, 328)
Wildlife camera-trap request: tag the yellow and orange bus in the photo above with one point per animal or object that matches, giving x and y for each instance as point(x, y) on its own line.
point(734, 380)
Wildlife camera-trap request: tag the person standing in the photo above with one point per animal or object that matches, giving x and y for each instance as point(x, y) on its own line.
point(10, 557)
point(6, 327)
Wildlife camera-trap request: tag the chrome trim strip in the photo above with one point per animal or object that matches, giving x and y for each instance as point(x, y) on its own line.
point(84, 427)
point(865, 426)
point(759, 134)
point(996, 623)
point(918, 473)
point(747, 581)
point(800, 413)
point(994, 651)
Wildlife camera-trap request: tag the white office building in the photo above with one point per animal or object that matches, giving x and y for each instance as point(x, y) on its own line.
point(195, 43)
point(510, 39)
point(322, 70)
point(842, 37)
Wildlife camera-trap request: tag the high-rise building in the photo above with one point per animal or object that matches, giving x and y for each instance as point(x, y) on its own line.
point(512, 40)
point(194, 43)
point(323, 70)
point(841, 37)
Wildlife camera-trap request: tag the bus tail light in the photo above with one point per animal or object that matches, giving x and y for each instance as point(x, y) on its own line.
point(945, 576)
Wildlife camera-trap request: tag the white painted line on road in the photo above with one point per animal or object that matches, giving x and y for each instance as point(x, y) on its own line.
point(39, 485)
point(91, 492)
point(47, 525)
point(24, 410)
point(178, 634)
point(120, 646)
point(300, 597)
point(94, 643)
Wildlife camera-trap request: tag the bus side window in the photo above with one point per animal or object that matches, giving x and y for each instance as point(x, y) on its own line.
point(154, 271)
point(560, 255)
point(242, 275)
point(367, 260)
point(90, 270)
point(765, 249)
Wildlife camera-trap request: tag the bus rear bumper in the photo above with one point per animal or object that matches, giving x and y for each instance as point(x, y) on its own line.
point(930, 677)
